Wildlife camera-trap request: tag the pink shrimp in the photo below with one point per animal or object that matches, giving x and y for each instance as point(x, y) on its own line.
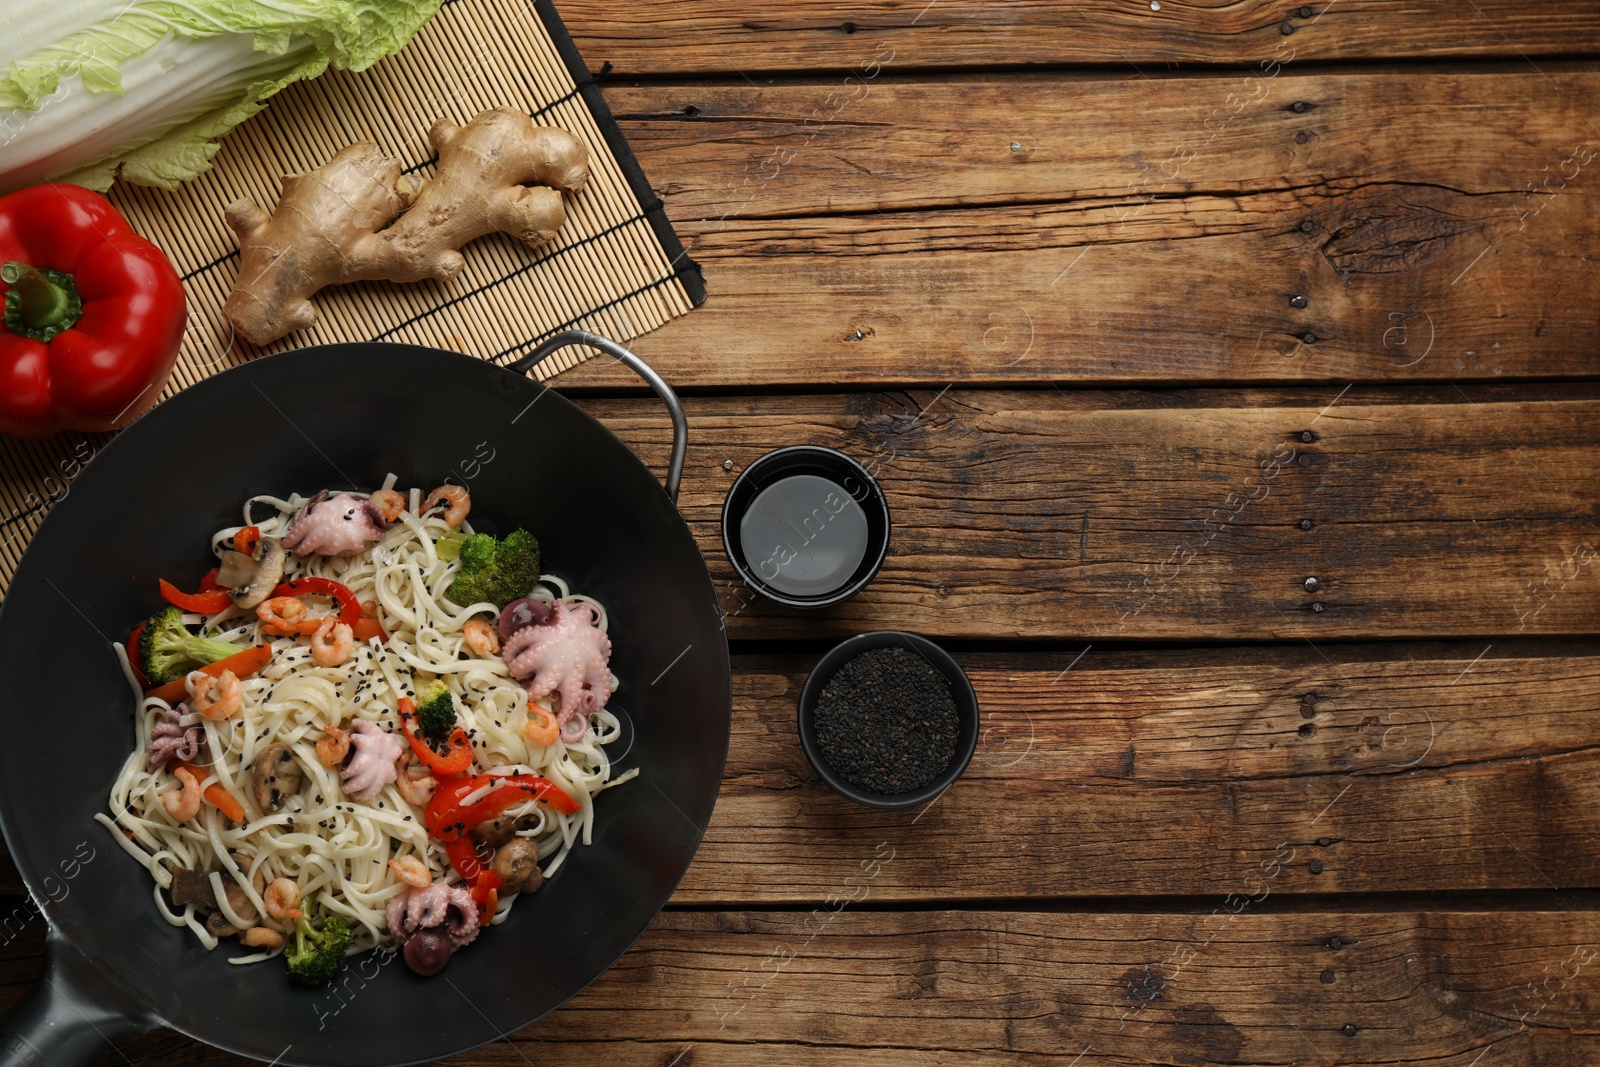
point(332, 642)
point(218, 698)
point(261, 937)
point(283, 615)
point(183, 804)
point(416, 788)
point(389, 503)
point(332, 750)
point(281, 897)
point(542, 735)
point(454, 495)
point(412, 871)
point(481, 637)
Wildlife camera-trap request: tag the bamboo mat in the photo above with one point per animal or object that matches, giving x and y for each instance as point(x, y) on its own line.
point(616, 267)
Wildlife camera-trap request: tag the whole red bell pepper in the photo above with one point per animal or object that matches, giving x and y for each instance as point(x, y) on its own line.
point(94, 314)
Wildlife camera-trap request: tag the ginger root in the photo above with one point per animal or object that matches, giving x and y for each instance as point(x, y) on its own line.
point(357, 218)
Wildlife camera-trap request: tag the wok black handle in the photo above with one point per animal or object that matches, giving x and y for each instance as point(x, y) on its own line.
point(680, 424)
point(65, 1020)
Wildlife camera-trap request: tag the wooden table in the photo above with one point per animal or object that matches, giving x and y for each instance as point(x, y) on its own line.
point(1230, 369)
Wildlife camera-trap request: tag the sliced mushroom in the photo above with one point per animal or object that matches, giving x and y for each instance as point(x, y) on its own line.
point(517, 864)
point(498, 831)
point(250, 581)
point(219, 926)
point(276, 775)
point(239, 901)
point(192, 887)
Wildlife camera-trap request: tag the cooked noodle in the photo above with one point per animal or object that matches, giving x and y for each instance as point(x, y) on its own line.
point(324, 840)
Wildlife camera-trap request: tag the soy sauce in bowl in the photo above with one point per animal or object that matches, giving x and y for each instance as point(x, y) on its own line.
point(806, 526)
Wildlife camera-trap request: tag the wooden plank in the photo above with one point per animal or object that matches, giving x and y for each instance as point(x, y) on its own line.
point(1124, 774)
point(723, 36)
point(1181, 516)
point(1435, 228)
point(730, 150)
point(935, 989)
point(1120, 775)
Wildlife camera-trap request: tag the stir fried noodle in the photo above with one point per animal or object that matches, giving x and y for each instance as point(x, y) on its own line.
point(323, 840)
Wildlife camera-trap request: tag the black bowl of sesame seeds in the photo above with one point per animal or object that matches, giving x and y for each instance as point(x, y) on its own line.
point(888, 719)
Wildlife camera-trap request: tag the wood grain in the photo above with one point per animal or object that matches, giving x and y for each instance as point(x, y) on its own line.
point(1436, 227)
point(936, 989)
point(1119, 775)
point(723, 36)
point(1180, 516)
point(1173, 774)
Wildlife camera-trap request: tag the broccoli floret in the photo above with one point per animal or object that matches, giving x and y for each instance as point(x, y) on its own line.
point(496, 572)
point(436, 712)
point(168, 651)
point(316, 955)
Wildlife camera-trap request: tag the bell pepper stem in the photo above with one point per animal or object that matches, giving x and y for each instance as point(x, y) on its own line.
point(40, 302)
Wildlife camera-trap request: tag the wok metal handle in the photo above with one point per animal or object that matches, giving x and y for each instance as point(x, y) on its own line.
point(680, 424)
point(65, 1020)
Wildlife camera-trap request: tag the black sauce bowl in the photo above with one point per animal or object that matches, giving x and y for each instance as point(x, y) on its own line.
point(823, 463)
point(960, 691)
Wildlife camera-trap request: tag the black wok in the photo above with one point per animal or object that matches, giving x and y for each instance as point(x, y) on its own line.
point(343, 416)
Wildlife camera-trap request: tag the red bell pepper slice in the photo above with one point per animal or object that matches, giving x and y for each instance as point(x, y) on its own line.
point(133, 655)
point(201, 603)
point(247, 539)
point(486, 894)
point(366, 629)
point(456, 757)
point(209, 583)
point(97, 318)
point(464, 858)
point(349, 606)
point(446, 818)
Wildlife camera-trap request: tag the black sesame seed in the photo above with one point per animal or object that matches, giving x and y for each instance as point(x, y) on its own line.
point(886, 721)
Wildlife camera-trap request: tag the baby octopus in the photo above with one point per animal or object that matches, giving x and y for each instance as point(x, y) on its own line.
point(430, 923)
point(373, 752)
point(171, 741)
point(339, 525)
point(567, 654)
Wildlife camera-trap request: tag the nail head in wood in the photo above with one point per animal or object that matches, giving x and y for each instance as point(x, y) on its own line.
point(1311, 585)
